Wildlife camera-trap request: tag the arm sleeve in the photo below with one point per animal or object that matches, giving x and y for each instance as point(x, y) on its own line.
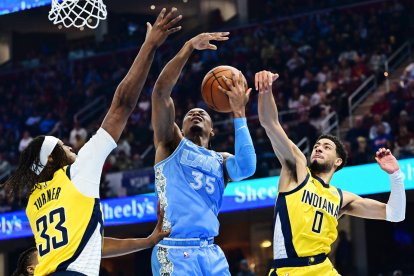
point(243, 163)
point(395, 208)
point(86, 172)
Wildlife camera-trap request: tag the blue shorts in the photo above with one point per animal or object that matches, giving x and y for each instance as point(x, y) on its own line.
point(173, 257)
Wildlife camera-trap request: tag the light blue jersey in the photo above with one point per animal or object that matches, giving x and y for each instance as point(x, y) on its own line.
point(190, 186)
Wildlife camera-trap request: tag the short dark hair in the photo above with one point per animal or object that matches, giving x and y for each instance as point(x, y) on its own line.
point(340, 148)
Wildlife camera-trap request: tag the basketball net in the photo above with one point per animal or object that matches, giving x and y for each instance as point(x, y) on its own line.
point(77, 13)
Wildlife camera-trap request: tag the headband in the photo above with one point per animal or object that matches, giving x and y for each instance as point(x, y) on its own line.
point(47, 147)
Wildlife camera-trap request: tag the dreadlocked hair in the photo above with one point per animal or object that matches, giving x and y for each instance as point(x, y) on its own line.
point(24, 261)
point(340, 149)
point(23, 181)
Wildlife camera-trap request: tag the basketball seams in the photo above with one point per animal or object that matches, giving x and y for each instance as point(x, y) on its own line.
point(218, 101)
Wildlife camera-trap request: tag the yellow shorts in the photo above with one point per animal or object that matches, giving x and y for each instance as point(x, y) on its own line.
point(325, 268)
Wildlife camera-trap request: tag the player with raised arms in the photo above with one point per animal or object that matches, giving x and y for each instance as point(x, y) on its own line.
point(308, 206)
point(190, 178)
point(63, 206)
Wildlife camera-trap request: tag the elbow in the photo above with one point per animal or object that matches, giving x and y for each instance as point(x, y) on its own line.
point(241, 168)
point(122, 98)
point(250, 166)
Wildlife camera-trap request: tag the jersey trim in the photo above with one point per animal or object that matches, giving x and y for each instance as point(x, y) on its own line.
point(96, 219)
point(321, 181)
point(297, 188)
point(67, 273)
point(68, 171)
point(172, 155)
point(341, 196)
point(282, 211)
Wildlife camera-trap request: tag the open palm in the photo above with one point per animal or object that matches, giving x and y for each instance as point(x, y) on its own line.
point(387, 161)
point(202, 41)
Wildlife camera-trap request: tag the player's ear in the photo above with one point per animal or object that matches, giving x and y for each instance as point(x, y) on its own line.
point(338, 162)
point(212, 133)
point(49, 159)
point(30, 270)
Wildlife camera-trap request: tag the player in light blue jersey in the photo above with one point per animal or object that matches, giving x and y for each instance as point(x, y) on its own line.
point(190, 178)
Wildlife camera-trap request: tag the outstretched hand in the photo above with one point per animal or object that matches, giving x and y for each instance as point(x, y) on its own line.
point(163, 27)
point(238, 93)
point(202, 41)
point(158, 234)
point(387, 161)
point(263, 81)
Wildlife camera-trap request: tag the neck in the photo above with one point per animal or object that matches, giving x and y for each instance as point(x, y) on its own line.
point(199, 140)
point(325, 176)
point(46, 174)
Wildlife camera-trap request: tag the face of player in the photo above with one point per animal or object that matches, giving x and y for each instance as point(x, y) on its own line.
point(71, 156)
point(324, 157)
point(197, 121)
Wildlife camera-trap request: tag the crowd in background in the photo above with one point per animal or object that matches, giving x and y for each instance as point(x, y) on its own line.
point(321, 59)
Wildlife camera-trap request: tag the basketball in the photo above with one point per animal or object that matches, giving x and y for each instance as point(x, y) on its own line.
point(212, 96)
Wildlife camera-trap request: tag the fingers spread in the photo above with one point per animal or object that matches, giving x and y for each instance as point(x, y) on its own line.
point(173, 30)
point(161, 15)
point(173, 22)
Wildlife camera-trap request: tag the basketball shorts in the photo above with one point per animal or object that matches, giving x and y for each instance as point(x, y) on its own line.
point(324, 268)
point(173, 257)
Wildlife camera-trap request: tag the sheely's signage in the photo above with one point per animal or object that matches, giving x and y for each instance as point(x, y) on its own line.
point(249, 194)
point(9, 6)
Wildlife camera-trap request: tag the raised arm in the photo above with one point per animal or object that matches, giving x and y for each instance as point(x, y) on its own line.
point(394, 210)
point(163, 112)
point(128, 91)
point(117, 247)
point(243, 163)
point(292, 159)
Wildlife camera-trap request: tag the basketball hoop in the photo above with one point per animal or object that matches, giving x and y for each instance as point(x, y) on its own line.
point(77, 13)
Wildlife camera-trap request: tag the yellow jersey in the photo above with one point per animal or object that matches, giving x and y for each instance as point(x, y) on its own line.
point(63, 221)
point(306, 219)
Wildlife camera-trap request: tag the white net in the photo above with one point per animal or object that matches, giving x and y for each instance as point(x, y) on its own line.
point(77, 13)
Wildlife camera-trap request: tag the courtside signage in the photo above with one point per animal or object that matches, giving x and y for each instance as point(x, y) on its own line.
point(249, 194)
point(9, 6)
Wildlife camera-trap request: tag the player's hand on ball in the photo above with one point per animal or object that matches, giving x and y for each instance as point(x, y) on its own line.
point(263, 81)
point(158, 234)
point(202, 41)
point(163, 26)
point(238, 96)
point(386, 160)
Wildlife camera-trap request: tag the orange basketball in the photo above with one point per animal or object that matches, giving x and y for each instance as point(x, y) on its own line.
point(214, 98)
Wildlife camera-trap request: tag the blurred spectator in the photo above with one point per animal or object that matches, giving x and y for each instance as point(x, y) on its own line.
point(363, 154)
point(79, 143)
point(244, 269)
point(404, 145)
point(77, 131)
point(25, 141)
point(376, 62)
point(382, 106)
point(358, 130)
point(123, 146)
point(47, 123)
point(122, 163)
point(382, 139)
point(5, 167)
point(408, 75)
point(373, 131)
point(397, 273)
